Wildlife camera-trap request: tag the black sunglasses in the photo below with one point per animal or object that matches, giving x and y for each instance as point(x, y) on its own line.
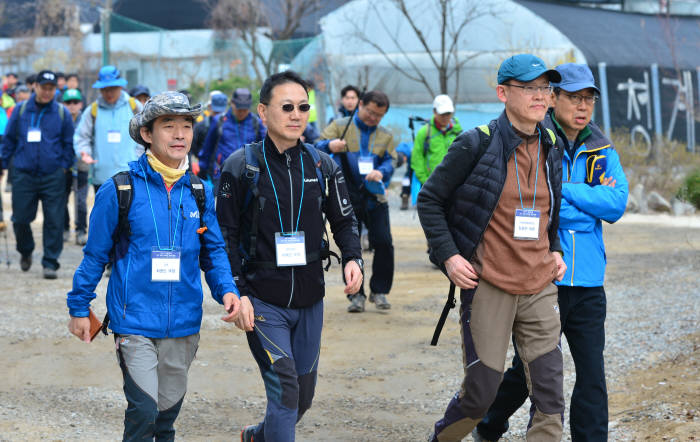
point(289, 107)
point(72, 102)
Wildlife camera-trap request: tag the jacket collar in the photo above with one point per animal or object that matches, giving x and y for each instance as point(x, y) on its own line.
point(362, 126)
point(141, 165)
point(32, 104)
point(511, 140)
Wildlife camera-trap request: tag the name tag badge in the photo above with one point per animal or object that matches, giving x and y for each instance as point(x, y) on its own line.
point(114, 136)
point(291, 249)
point(527, 224)
point(365, 164)
point(165, 265)
point(34, 135)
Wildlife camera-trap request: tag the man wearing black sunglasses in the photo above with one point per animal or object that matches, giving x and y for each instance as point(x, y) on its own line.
point(366, 154)
point(594, 189)
point(271, 203)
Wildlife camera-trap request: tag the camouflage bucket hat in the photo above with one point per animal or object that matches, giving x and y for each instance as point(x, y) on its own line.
point(167, 103)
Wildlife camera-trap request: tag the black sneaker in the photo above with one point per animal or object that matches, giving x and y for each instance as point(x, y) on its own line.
point(25, 263)
point(50, 273)
point(247, 433)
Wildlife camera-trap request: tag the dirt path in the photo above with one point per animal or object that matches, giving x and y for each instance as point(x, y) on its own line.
point(379, 379)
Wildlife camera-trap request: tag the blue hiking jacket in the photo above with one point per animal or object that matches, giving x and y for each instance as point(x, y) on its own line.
point(234, 135)
point(584, 207)
point(53, 152)
point(136, 305)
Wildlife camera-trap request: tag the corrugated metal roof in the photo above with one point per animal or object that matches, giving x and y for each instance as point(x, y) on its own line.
point(623, 38)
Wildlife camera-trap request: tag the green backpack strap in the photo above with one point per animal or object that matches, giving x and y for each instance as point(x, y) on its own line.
point(552, 136)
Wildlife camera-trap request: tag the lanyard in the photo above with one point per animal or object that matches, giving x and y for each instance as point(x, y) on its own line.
point(41, 114)
point(301, 200)
point(537, 171)
point(155, 224)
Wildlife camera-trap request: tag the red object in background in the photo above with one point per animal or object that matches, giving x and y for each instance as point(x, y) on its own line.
point(195, 167)
point(172, 84)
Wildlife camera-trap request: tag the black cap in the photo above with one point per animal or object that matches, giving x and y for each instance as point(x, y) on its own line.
point(46, 77)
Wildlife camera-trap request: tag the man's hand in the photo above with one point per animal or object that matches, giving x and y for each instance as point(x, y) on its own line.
point(461, 272)
point(353, 278)
point(245, 319)
point(374, 175)
point(609, 181)
point(86, 158)
point(232, 305)
point(561, 265)
point(338, 145)
point(80, 327)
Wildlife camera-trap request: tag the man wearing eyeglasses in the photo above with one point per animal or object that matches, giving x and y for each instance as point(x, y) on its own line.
point(490, 214)
point(365, 154)
point(271, 203)
point(594, 190)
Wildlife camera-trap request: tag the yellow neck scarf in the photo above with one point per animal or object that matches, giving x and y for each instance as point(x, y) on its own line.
point(170, 175)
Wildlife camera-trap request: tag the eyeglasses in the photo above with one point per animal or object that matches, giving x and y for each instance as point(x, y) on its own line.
point(289, 107)
point(532, 90)
point(577, 99)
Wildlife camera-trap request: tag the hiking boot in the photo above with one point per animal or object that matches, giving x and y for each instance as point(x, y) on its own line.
point(404, 202)
point(50, 273)
point(80, 238)
point(478, 437)
point(66, 235)
point(380, 301)
point(357, 303)
point(247, 433)
point(25, 262)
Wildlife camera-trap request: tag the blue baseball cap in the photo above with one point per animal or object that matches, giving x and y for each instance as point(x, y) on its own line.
point(109, 76)
point(219, 102)
point(575, 77)
point(525, 67)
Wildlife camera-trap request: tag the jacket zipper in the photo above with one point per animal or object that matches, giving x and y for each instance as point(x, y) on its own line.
point(170, 284)
point(126, 283)
point(291, 220)
point(573, 255)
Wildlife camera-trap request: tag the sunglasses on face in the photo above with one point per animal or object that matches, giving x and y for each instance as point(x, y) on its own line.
point(289, 107)
point(71, 102)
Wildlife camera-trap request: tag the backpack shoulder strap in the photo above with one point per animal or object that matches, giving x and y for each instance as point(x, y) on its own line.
point(93, 110)
point(201, 200)
point(132, 104)
point(256, 127)
point(61, 111)
point(125, 195)
point(251, 176)
point(23, 107)
point(426, 142)
point(320, 173)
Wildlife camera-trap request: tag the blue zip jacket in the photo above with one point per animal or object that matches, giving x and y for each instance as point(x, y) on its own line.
point(53, 152)
point(584, 207)
point(381, 163)
point(234, 135)
point(136, 305)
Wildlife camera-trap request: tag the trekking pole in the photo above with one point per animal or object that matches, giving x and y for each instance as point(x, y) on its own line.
point(352, 115)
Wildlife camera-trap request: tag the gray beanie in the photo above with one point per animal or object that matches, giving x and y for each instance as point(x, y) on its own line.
point(166, 103)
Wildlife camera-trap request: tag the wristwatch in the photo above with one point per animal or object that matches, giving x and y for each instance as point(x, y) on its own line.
point(360, 263)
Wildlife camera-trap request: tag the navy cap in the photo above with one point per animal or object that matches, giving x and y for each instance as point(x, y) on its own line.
point(46, 77)
point(242, 98)
point(525, 67)
point(575, 77)
point(219, 102)
point(139, 89)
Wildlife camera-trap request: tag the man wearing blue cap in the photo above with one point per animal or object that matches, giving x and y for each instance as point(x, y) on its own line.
point(102, 136)
point(233, 130)
point(594, 190)
point(490, 214)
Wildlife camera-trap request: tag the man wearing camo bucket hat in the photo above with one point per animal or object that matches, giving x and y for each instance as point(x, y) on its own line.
point(158, 220)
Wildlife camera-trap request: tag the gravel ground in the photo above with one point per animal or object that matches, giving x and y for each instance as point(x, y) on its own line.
point(379, 380)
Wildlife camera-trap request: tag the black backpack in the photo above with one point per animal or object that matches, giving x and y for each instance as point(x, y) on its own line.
point(250, 180)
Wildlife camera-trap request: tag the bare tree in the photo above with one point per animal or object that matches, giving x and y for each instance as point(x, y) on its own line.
point(246, 20)
point(451, 17)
